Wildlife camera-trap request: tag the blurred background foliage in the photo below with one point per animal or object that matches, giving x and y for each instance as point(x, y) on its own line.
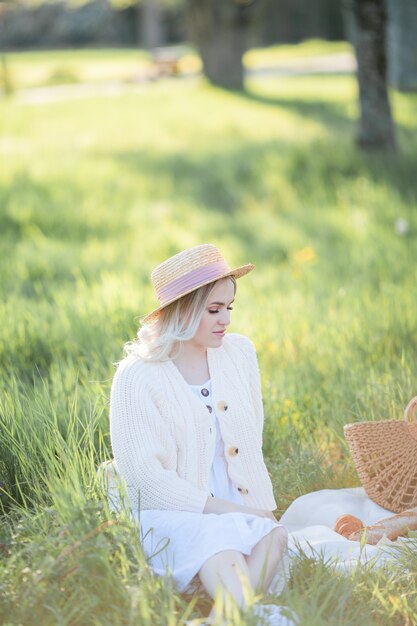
point(39, 24)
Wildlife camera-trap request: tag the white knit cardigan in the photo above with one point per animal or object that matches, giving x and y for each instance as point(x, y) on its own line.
point(163, 437)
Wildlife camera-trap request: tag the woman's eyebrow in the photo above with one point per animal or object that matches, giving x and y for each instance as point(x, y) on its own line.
point(220, 303)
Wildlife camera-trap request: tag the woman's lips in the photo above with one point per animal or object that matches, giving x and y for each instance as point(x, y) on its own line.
point(220, 332)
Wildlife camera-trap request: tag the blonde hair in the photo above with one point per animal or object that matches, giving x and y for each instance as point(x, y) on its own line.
point(162, 339)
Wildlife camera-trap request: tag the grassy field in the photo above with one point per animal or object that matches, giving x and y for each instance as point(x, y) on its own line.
point(93, 194)
point(35, 69)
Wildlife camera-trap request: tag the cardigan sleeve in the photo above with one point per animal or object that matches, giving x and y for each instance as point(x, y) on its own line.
point(144, 450)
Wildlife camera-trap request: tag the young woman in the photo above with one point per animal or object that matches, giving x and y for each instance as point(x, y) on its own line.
point(186, 424)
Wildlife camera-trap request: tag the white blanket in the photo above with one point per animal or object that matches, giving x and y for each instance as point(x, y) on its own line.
point(310, 520)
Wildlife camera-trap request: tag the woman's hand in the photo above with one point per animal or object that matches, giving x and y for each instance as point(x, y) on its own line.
point(219, 506)
point(270, 515)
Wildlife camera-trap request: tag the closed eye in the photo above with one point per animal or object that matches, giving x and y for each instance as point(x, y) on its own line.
point(229, 308)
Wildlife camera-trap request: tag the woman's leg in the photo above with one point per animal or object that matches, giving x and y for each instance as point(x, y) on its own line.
point(265, 558)
point(226, 570)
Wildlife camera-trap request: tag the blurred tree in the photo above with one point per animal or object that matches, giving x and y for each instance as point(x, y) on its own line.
point(6, 83)
point(291, 21)
point(149, 23)
point(219, 29)
point(402, 44)
point(366, 22)
point(147, 18)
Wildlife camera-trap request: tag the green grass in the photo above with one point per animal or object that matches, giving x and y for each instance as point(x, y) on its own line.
point(293, 52)
point(34, 69)
point(40, 68)
point(93, 194)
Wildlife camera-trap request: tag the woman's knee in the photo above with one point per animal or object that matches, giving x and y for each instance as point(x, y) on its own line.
point(230, 558)
point(279, 538)
point(225, 570)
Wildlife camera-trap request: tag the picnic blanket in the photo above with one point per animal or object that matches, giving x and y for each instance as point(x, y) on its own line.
point(310, 520)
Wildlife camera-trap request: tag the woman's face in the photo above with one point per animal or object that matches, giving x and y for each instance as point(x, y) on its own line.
point(216, 316)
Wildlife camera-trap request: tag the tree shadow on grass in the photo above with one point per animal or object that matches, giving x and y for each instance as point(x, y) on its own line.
point(261, 192)
point(28, 204)
point(331, 115)
point(223, 180)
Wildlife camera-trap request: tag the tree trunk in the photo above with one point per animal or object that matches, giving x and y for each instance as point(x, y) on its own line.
point(6, 83)
point(367, 24)
point(219, 29)
point(222, 58)
point(402, 44)
point(149, 24)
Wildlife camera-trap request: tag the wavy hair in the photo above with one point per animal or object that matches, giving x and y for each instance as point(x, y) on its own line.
point(161, 339)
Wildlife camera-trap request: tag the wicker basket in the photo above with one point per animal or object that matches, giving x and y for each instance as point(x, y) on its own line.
point(385, 457)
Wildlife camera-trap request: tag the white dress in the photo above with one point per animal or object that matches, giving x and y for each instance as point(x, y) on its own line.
point(177, 543)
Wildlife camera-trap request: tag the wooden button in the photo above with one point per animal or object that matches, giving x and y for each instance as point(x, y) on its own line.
point(222, 405)
point(205, 392)
point(210, 408)
point(233, 451)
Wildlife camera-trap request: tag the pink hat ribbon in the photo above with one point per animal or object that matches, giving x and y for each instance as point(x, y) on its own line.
point(192, 280)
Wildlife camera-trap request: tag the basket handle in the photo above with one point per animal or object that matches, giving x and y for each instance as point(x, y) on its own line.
point(410, 410)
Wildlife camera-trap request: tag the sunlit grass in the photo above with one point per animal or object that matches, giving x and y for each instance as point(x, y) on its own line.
point(37, 68)
point(33, 69)
point(294, 52)
point(93, 194)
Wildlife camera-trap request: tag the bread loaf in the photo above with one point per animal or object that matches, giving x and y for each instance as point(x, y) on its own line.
point(346, 525)
point(390, 527)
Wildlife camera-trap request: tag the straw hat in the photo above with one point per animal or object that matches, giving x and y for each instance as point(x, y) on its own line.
point(187, 271)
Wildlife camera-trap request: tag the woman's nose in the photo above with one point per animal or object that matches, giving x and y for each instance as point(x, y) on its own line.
point(225, 318)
